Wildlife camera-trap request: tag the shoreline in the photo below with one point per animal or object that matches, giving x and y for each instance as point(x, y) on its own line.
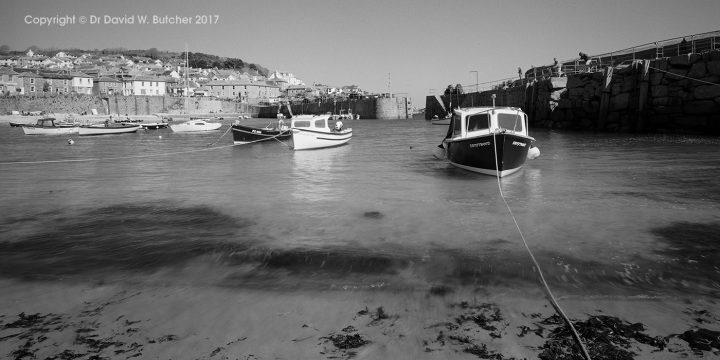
point(95, 119)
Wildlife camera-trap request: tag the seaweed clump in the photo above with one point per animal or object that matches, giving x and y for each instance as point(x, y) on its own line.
point(605, 337)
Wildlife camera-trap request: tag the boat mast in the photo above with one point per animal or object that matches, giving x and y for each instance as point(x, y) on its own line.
point(186, 90)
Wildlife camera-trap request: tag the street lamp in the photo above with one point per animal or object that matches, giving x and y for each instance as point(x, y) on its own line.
point(476, 79)
point(472, 97)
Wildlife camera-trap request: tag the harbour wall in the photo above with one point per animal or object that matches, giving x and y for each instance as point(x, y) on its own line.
point(675, 95)
point(369, 108)
point(130, 105)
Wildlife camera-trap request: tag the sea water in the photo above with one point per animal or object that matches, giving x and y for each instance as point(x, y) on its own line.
point(604, 214)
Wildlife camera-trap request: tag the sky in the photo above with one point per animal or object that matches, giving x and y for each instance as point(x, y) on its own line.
point(407, 47)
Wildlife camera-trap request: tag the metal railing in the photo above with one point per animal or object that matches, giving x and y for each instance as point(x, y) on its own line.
point(697, 43)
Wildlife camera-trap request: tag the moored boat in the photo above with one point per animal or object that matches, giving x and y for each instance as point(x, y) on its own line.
point(105, 129)
point(48, 126)
point(154, 126)
point(487, 140)
point(196, 125)
point(243, 134)
point(313, 132)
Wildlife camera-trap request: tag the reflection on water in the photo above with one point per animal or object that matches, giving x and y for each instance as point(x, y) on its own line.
point(604, 214)
point(316, 174)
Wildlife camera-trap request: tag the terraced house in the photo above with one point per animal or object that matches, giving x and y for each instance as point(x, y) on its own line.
point(144, 85)
point(241, 90)
point(82, 83)
point(9, 82)
point(30, 83)
point(57, 83)
point(105, 86)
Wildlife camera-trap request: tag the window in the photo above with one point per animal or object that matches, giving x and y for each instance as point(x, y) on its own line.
point(510, 122)
point(302, 124)
point(320, 123)
point(457, 125)
point(143, 83)
point(32, 89)
point(32, 81)
point(478, 122)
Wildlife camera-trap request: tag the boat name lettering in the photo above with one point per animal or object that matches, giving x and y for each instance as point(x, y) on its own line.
point(480, 144)
point(257, 132)
point(517, 143)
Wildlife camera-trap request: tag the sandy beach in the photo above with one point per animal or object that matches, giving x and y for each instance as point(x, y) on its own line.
point(69, 320)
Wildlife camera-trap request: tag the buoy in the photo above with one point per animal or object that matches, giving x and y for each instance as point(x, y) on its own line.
point(159, 136)
point(533, 153)
point(70, 141)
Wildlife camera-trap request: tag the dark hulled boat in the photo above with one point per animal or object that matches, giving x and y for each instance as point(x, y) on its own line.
point(243, 134)
point(488, 140)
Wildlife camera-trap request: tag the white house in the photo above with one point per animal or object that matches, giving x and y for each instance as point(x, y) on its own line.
point(82, 83)
point(286, 77)
point(144, 85)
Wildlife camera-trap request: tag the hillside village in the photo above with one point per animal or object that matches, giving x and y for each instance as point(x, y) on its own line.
point(118, 74)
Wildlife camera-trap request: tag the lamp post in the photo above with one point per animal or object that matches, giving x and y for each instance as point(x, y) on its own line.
point(472, 97)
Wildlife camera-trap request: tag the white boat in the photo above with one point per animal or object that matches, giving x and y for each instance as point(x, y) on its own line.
point(102, 129)
point(488, 140)
point(313, 132)
point(196, 125)
point(48, 126)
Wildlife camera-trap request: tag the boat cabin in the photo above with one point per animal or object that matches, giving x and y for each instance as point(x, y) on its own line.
point(470, 122)
point(318, 123)
point(46, 122)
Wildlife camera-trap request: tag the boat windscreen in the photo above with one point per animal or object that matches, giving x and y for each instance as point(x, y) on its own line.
point(456, 125)
point(301, 123)
point(478, 122)
point(510, 122)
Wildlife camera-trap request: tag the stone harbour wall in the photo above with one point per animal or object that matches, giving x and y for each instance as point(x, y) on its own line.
point(679, 94)
point(130, 105)
point(52, 103)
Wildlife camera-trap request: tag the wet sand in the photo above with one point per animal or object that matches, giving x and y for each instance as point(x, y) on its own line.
point(67, 321)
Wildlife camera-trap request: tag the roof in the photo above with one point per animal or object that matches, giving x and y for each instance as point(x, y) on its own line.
point(147, 78)
point(55, 76)
point(7, 71)
point(107, 79)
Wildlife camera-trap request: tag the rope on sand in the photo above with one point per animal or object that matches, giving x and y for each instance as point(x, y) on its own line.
point(544, 283)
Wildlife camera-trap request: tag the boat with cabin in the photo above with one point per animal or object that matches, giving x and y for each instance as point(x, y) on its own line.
point(48, 126)
point(313, 132)
point(488, 140)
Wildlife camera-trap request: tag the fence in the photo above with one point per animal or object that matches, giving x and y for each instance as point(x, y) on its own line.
point(697, 43)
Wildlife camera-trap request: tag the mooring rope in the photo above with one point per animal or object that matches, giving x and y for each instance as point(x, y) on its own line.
point(221, 136)
point(545, 285)
point(136, 156)
point(683, 76)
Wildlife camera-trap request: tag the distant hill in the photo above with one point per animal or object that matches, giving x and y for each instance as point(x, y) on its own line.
point(196, 60)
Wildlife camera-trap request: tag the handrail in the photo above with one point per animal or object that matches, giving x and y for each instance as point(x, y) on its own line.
point(696, 43)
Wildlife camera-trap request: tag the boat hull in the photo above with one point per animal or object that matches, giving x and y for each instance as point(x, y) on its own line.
point(477, 153)
point(195, 128)
point(247, 134)
point(60, 130)
point(310, 139)
point(102, 130)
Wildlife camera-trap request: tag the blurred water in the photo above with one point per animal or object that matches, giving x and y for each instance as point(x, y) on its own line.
point(604, 214)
